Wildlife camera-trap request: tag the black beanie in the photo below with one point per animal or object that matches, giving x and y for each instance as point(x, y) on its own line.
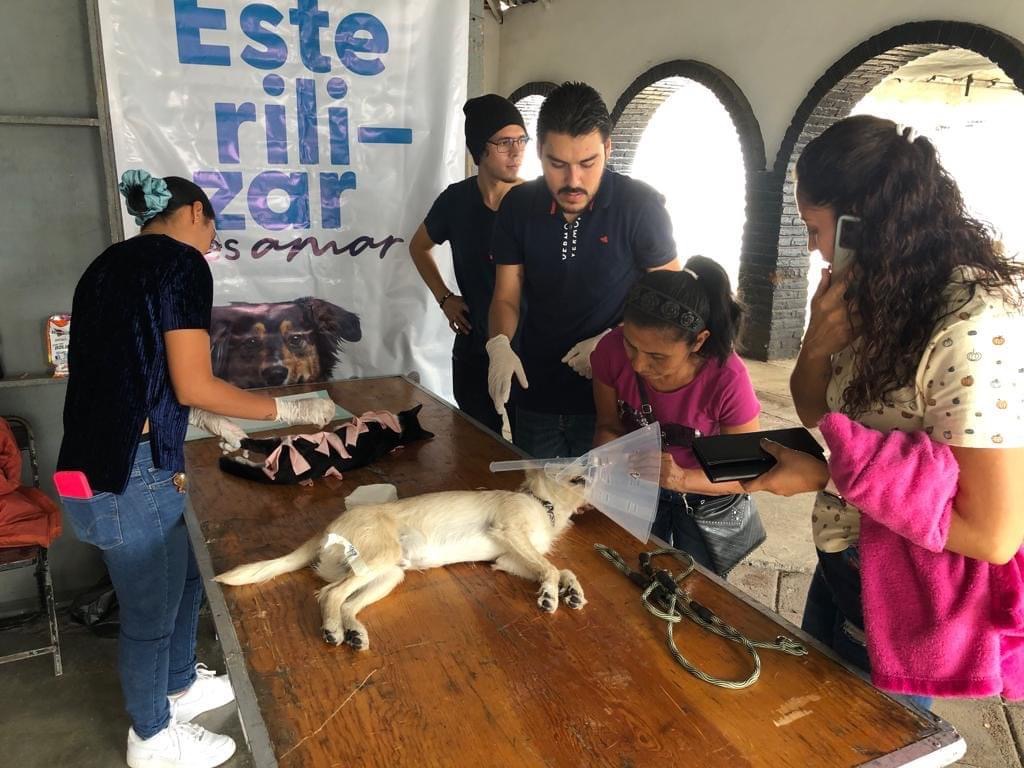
point(485, 116)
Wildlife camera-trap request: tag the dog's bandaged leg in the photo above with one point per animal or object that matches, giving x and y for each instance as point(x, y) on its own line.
point(338, 549)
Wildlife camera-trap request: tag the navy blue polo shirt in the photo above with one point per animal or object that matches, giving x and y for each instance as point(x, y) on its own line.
point(460, 216)
point(576, 275)
point(128, 298)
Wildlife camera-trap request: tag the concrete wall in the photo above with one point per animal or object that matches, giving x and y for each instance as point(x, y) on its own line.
point(774, 51)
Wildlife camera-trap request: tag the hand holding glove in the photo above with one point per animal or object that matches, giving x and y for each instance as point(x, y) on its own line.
point(578, 358)
point(318, 411)
point(231, 435)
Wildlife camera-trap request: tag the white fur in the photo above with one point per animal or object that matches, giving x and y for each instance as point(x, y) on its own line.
point(510, 528)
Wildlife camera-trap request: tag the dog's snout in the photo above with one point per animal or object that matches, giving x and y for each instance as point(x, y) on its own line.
point(274, 375)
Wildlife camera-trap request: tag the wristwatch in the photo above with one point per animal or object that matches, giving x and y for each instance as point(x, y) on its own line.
point(831, 490)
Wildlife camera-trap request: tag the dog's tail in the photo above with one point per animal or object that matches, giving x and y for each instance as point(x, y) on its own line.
point(253, 573)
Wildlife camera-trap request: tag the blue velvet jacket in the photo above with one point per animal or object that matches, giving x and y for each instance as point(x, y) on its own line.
point(131, 295)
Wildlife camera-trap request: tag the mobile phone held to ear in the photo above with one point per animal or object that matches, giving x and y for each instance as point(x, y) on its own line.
point(848, 231)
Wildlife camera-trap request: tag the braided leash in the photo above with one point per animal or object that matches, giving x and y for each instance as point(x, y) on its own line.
point(663, 598)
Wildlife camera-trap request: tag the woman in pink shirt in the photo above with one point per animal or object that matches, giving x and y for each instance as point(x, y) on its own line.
point(672, 361)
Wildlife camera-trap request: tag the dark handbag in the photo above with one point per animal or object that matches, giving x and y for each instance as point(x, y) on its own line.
point(729, 525)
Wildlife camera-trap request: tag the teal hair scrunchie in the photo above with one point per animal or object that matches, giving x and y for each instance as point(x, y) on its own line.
point(155, 190)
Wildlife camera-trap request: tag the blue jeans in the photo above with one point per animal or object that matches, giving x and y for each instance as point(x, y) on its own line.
point(145, 546)
point(551, 435)
point(833, 614)
point(675, 526)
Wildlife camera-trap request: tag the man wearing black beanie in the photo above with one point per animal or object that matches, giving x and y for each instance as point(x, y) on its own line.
point(464, 216)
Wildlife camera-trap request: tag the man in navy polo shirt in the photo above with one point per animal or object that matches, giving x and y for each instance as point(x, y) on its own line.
point(570, 245)
point(464, 216)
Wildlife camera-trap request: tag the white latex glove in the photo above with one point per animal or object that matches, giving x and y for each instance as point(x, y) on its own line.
point(504, 364)
point(318, 411)
point(231, 435)
point(578, 358)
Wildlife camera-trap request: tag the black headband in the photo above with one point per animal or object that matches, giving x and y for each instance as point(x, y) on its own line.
point(661, 306)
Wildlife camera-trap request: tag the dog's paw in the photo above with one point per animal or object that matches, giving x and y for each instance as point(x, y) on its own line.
point(359, 640)
point(332, 638)
point(570, 591)
point(547, 600)
point(573, 597)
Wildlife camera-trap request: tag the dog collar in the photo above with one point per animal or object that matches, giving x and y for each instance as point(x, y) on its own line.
point(548, 506)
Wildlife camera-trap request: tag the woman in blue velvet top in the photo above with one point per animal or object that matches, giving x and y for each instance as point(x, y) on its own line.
point(140, 372)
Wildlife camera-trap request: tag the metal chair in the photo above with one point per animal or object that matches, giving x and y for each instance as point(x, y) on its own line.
point(12, 558)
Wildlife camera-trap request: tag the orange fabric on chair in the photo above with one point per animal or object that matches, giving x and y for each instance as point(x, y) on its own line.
point(27, 515)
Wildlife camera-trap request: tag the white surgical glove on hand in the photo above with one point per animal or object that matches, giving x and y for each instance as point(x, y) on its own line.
point(231, 435)
point(503, 366)
point(318, 411)
point(578, 358)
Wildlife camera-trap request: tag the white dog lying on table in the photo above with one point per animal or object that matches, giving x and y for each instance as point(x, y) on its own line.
point(364, 553)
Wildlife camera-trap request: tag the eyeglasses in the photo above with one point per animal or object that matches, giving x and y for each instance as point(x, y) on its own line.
point(505, 146)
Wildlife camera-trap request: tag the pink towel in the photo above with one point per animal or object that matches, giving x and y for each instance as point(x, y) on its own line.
point(937, 623)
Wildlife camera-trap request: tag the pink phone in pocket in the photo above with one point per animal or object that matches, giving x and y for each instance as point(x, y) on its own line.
point(72, 484)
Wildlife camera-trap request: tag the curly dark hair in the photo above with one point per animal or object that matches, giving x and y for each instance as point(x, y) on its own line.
point(915, 231)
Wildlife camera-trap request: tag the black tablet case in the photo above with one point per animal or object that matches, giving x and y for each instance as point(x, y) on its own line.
point(739, 457)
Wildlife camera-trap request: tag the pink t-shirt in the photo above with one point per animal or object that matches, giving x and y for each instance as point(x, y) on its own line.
point(720, 396)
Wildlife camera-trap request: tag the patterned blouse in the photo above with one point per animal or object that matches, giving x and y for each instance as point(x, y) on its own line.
point(968, 392)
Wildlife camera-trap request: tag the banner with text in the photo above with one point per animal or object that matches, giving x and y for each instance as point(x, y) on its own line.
point(321, 130)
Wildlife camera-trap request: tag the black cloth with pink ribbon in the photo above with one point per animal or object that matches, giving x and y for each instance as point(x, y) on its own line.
point(301, 459)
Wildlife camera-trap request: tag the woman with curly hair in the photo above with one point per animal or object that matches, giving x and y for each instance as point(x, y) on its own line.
point(911, 366)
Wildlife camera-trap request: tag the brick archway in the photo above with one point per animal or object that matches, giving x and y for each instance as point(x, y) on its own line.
point(779, 263)
point(639, 102)
point(531, 110)
point(537, 88)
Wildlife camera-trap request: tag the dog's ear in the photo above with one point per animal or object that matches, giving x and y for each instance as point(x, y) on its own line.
point(220, 332)
point(332, 325)
point(337, 323)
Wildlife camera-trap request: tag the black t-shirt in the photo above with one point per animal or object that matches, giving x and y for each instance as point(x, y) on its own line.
point(576, 275)
point(132, 294)
point(460, 217)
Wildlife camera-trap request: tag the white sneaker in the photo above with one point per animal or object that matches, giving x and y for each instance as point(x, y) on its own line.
point(179, 745)
point(209, 691)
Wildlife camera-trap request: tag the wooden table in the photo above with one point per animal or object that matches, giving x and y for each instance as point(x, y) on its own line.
point(464, 670)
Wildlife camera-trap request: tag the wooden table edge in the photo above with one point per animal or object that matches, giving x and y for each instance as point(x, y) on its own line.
point(254, 729)
point(928, 751)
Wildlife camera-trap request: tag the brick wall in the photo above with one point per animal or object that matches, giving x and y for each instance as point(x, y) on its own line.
point(775, 284)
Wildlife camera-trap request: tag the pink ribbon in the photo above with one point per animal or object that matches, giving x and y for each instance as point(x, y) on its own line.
point(325, 441)
point(272, 464)
point(359, 424)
